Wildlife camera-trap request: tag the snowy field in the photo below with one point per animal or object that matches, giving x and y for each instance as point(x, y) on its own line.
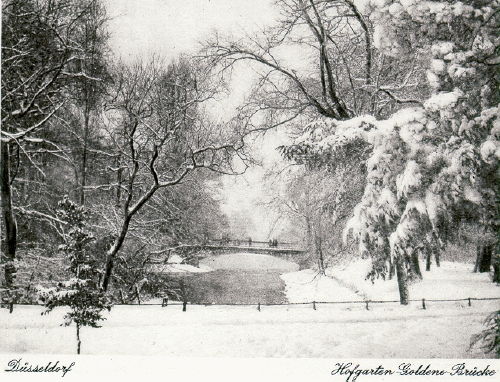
point(443, 330)
point(298, 331)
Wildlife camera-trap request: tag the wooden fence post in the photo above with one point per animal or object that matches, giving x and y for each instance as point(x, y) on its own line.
point(258, 307)
point(11, 307)
point(314, 305)
point(184, 306)
point(367, 308)
point(470, 302)
point(423, 304)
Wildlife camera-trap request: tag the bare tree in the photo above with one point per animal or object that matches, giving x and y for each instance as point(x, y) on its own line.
point(320, 199)
point(346, 76)
point(161, 135)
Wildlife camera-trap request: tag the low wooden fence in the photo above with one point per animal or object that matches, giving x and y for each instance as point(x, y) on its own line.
point(314, 304)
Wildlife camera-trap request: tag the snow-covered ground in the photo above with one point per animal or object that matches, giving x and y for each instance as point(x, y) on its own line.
point(308, 285)
point(348, 283)
point(348, 330)
point(175, 265)
point(296, 331)
point(450, 281)
point(179, 268)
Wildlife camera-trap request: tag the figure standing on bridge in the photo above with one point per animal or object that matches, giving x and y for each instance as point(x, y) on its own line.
point(273, 242)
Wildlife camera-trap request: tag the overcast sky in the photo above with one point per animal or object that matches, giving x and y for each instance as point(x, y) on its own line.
point(171, 27)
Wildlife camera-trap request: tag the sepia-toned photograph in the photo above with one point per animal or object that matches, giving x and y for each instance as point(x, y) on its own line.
point(276, 179)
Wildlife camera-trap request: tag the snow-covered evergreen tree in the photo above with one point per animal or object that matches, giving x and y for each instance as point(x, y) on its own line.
point(81, 293)
point(430, 161)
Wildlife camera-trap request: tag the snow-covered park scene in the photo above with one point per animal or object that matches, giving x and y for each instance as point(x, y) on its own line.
point(267, 178)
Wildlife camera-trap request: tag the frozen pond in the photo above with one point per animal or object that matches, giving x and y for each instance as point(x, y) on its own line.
point(250, 262)
point(240, 278)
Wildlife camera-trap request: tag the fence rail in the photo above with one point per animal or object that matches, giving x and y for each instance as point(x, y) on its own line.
point(184, 304)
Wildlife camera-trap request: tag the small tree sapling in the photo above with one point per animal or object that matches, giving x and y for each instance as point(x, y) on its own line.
point(81, 293)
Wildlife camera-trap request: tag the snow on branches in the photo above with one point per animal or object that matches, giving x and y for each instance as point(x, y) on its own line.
point(425, 162)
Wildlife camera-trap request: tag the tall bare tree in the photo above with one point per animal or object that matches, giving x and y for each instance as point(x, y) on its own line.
point(161, 135)
point(345, 75)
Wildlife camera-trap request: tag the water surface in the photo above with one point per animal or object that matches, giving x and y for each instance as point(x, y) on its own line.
point(243, 278)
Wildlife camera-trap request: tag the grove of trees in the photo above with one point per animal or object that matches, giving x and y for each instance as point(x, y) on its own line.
point(393, 106)
point(408, 91)
point(132, 144)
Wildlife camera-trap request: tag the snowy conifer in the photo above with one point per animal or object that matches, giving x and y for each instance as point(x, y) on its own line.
point(81, 293)
point(429, 161)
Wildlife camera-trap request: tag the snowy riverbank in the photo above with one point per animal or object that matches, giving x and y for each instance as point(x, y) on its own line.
point(346, 283)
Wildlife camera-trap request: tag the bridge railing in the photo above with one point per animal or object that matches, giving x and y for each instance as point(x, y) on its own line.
point(254, 243)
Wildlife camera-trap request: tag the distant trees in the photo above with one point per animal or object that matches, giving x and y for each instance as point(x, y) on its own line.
point(308, 201)
point(319, 202)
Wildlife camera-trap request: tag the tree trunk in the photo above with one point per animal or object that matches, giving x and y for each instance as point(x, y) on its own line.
point(486, 255)
point(496, 269)
point(415, 265)
point(308, 233)
point(119, 187)
point(108, 270)
point(115, 248)
point(8, 215)
point(392, 270)
point(428, 261)
point(83, 177)
point(128, 214)
point(137, 294)
point(479, 255)
point(78, 341)
point(402, 281)
point(319, 254)
point(438, 260)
